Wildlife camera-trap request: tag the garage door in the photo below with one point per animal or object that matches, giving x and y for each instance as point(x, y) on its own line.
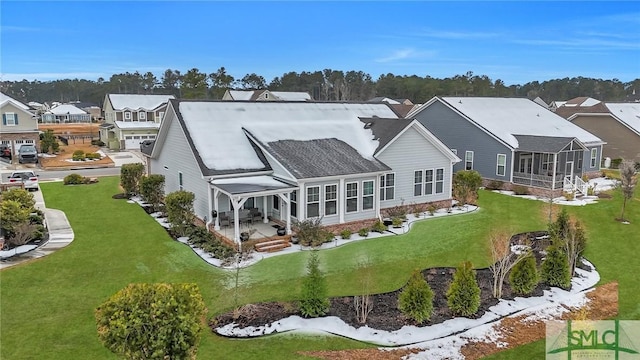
point(132, 142)
point(19, 143)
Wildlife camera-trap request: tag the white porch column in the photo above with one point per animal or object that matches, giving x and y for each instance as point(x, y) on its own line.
point(286, 206)
point(376, 196)
point(265, 218)
point(216, 194)
point(341, 200)
point(237, 203)
point(302, 202)
point(553, 179)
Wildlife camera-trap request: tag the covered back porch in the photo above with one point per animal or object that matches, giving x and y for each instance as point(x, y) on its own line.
point(548, 162)
point(240, 224)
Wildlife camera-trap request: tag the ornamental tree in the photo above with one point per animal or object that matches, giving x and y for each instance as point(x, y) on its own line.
point(152, 321)
point(315, 301)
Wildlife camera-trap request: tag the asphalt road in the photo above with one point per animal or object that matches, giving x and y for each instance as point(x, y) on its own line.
point(48, 175)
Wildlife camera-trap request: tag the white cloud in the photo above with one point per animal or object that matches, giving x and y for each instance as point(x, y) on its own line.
point(406, 54)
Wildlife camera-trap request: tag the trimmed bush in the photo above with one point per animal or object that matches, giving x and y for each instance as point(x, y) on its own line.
point(130, 176)
point(364, 232)
point(379, 227)
point(152, 189)
point(524, 276)
point(555, 268)
point(311, 233)
point(152, 321)
point(74, 179)
point(465, 186)
point(416, 300)
point(93, 156)
point(179, 206)
point(520, 190)
point(315, 301)
point(494, 185)
point(346, 234)
point(463, 295)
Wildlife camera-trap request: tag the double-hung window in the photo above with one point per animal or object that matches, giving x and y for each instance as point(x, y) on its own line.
point(468, 160)
point(142, 116)
point(417, 183)
point(428, 182)
point(159, 116)
point(10, 119)
point(313, 201)
point(330, 199)
point(367, 195)
point(501, 168)
point(594, 157)
point(439, 181)
point(127, 116)
point(352, 197)
point(387, 186)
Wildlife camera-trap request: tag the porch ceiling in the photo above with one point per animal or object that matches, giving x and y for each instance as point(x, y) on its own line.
point(544, 144)
point(251, 185)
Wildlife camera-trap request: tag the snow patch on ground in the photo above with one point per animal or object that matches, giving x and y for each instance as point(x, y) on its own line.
point(598, 184)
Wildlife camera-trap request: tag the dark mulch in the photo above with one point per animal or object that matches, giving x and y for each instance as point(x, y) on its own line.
point(120, 196)
point(604, 196)
point(385, 314)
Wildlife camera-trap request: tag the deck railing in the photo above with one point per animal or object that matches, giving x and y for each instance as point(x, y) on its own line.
point(536, 180)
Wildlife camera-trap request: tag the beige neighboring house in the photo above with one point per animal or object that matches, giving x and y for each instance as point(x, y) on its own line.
point(19, 125)
point(265, 95)
point(129, 119)
point(618, 124)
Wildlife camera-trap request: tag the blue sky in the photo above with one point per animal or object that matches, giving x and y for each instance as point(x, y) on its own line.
point(514, 41)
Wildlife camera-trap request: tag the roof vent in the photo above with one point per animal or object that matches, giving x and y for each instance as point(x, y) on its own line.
point(460, 101)
point(368, 125)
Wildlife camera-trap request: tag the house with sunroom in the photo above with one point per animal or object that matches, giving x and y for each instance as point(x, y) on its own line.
point(19, 125)
point(266, 95)
point(513, 140)
point(65, 113)
point(262, 162)
point(129, 119)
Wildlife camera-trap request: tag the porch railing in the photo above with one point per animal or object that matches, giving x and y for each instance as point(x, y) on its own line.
point(535, 180)
point(581, 186)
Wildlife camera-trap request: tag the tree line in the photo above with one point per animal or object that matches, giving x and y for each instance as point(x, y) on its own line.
point(325, 85)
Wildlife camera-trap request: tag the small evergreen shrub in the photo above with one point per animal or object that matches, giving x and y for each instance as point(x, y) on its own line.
point(494, 185)
point(73, 179)
point(615, 163)
point(463, 295)
point(93, 156)
point(520, 190)
point(524, 276)
point(315, 301)
point(346, 234)
point(416, 300)
point(379, 227)
point(364, 232)
point(396, 222)
point(569, 195)
point(431, 209)
point(555, 268)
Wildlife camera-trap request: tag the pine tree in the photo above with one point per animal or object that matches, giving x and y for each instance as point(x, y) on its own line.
point(524, 275)
point(555, 268)
point(416, 300)
point(463, 296)
point(314, 301)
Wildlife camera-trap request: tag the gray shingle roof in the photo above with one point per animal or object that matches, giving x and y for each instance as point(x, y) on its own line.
point(322, 157)
point(384, 130)
point(546, 144)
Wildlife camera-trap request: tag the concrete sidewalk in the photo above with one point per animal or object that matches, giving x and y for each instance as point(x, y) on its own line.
point(60, 235)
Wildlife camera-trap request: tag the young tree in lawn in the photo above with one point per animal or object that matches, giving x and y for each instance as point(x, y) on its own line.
point(463, 295)
point(130, 176)
point(416, 299)
point(152, 189)
point(179, 206)
point(524, 275)
point(574, 245)
point(628, 182)
point(49, 142)
point(503, 259)
point(152, 321)
point(314, 301)
point(363, 304)
point(555, 268)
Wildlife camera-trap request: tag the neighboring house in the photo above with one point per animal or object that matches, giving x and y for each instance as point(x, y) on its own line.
point(130, 119)
point(265, 95)
point(342, 162)
point(19, 125)
point(391, 101)
point(65, 113)
point(618, 124)
point(513, 140)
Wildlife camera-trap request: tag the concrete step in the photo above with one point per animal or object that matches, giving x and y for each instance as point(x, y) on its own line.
point(273, 248)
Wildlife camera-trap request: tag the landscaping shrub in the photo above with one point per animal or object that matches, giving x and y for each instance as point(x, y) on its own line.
point(22, 196)
point(364, 232)
point(179, 205)
point(396, 222)
point(130, 176)
point(379, 227)
point(13, 214)
point(93, 156)
point(398, 211)
point(494, 185)
point(346, 234)
point(49, 142)
point(431, 209)
point(74, 179)
point(97, 143)
point(315, 301)
point(465, 186)
point(416, 300)
point(152, 321)
point(152, 189)
point(615, 163)
point(555, 268)
point(463, 295)
point(520, 190)
point(569, 195)
point(524, 275)
point(311, 233)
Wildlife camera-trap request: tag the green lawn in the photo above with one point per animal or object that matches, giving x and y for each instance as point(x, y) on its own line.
point(47, 305)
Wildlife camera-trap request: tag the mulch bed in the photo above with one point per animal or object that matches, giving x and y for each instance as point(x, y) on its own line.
point(385, 314)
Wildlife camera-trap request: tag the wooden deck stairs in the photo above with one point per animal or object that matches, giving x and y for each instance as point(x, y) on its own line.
point(272, 245)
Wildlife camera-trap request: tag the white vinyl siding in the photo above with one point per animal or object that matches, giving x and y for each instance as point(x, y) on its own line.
point(351, 197)
point(468, 160)
point(330, 199)
point(594, 157)
point(501, 165)
point(313, 201)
